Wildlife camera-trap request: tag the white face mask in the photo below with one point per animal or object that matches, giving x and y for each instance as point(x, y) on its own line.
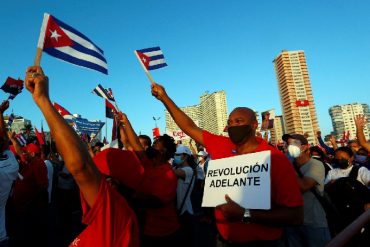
point(294, 151)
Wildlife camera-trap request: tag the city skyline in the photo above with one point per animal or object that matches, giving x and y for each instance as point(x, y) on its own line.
point(208, 45)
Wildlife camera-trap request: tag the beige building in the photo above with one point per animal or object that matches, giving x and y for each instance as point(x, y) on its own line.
point(342, 117)
point(210, 114)
point(278, 131)
point(297, 103)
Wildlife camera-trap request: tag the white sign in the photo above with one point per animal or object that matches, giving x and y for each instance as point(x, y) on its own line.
point(245, 178)
point(177, 134)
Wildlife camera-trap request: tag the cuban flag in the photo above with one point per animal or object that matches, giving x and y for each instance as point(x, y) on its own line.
point(13, 87)
point(66, 43)
point(152, 58)
point(103, 92)
point(11, 119)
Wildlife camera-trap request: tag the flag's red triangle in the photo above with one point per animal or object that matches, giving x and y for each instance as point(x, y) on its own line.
point(144, 59)
point(55, 36)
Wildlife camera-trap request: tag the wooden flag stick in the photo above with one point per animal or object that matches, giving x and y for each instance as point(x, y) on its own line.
point(145, 69)
point(38, 57)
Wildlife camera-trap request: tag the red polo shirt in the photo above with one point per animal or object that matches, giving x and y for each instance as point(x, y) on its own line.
point(110, 221)
point(284, 190)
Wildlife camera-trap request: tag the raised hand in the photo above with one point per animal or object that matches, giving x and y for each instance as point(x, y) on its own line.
point(4, 106)
point(158, 91)
point(360, 121)
point(37, 83)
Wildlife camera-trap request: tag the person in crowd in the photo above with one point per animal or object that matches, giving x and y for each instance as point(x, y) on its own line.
point(360, 122)
point(362, 158)
point(109, 219)
point(145, 141)
point(157, 193)
point(353, 145)
point(185, 170)
point(29, 200)
point(237, 225)
point(343, 160)
point(329, 150)
point(311, 174)
point(8, 173)
point(317, 153)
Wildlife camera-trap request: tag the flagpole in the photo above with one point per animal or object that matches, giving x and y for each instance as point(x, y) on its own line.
point(38, 57)
point(106, 128)
point(145, 69)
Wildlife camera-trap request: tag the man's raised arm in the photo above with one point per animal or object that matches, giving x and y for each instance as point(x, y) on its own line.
point(182, 120)
point(69, 145)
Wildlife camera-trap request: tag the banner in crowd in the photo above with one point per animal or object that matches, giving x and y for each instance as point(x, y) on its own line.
point(177, 134)
point(83, 126)
point(245, 178)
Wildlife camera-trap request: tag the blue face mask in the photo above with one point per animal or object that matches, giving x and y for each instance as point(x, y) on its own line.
point(360, 158)
point(178, 160)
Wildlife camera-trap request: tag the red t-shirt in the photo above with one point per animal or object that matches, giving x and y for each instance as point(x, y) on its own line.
point(33, 184)
point(284, 190)
point(161, 182)
point(110, 221)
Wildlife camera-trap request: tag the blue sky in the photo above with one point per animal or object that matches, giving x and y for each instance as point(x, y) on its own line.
point(208, 45)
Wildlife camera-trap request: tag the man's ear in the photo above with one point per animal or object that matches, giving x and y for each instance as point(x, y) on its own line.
point(255, 125)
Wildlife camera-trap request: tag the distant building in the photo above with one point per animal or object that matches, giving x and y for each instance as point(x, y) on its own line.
point(19, 123)
point(210, 114)
point(295, 91)
point(278, 131)
point(342, 117)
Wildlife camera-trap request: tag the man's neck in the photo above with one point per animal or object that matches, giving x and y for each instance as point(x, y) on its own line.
point(249, 146)
point(303, 159)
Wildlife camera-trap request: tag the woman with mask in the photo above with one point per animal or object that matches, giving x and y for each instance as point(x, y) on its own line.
point(343, 160)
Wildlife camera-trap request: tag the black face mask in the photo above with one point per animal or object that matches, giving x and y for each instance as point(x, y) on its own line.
point(239, 133)
point(342, 163)
point(151, 152)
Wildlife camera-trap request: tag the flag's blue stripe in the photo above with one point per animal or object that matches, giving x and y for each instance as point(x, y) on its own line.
point(58, 54)
point(156, 57)
point(157, 66)
point(71, 29)
point(150, 49)
point(83, 49)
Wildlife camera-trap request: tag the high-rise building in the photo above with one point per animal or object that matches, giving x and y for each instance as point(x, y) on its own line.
point(295, 91)
point(278, 131)
point(342, 117)
point(210, 114)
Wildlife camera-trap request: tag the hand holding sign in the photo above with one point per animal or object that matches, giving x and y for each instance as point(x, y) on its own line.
point(231, 210)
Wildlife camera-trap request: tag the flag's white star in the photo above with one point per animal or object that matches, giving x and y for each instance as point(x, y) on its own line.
point(60, 112)
point(144, 60)
point(55, 35)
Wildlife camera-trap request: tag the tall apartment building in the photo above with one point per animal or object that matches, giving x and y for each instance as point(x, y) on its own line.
point(295, 91)
point(210, 114)
point(342, 117)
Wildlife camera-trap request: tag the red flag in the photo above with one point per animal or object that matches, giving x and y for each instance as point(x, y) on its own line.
point(40, 136)
point(156, 132)
point(114, 130)
point(61, 110)
point(347, 136)
point(302, 103)
point(144, 59)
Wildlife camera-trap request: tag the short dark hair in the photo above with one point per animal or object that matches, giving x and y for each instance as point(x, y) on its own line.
point(169, 144)
point(146, 139)
point(317, 150)
point(344, 149)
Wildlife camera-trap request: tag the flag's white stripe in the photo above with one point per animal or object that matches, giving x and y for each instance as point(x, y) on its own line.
point(83, 56)
point(82, 41)
point(153, 53)
point(40, 44)
point(156, 62)
point(101, 93)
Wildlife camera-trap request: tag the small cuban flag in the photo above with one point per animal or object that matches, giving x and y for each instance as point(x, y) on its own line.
point(152, 58)
point(66, 43)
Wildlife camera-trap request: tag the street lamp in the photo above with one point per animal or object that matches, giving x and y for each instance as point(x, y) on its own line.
point(155, 120)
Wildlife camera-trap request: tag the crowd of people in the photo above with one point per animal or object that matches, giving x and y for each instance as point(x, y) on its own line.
point(149, 193)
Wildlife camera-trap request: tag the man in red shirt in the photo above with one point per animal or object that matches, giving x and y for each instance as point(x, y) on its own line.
point(237, 225)
point(110, 221)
